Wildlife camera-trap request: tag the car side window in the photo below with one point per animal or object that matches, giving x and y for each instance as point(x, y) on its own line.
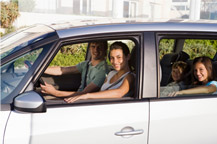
point(73, 54)
point(178, 76)
point(12, 73)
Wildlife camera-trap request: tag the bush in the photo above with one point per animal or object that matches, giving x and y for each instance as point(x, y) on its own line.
point(9, 13)
point(196, 48)
point(67, 59)
point(166, 46)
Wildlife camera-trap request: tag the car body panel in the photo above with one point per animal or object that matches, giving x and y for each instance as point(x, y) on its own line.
point(18, 129)
point(4, 116)
point(187, 120)
point(81, 124)
point(137, 27)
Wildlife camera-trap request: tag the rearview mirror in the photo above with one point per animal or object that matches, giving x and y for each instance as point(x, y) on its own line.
point(30, 102)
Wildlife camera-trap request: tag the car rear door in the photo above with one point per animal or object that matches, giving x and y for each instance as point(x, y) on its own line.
point(184, 120)
point(188, 119)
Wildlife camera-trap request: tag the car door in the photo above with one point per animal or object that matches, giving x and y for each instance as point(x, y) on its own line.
point(4, 113)
point(122, 120)
point(125, 122)
point(183, 120)
point(187, 119)
point(94, 124)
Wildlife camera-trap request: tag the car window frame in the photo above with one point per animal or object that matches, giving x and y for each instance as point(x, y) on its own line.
point(27, 79)
point(136, 37)
point(181, 35)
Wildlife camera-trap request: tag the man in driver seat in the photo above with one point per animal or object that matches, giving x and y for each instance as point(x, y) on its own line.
point(93, 72)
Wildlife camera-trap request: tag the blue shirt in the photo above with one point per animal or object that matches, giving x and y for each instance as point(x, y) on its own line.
point(212, 83)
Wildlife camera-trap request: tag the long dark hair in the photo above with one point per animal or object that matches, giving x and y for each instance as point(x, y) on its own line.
point(207, 62)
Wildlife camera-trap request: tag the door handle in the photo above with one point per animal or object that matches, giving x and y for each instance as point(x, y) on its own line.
point(128, 132)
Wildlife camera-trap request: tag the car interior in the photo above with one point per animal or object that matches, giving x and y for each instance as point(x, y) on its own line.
point(71, 82)
point(183, 50)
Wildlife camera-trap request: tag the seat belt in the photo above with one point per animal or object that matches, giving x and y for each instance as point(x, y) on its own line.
point(85, 78)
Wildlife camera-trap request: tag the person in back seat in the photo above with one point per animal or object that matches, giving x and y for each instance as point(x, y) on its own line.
point(179, 71)
point(118, 82)
point(203, 78)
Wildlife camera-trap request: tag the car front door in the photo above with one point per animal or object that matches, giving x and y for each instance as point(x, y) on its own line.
point(93, 124)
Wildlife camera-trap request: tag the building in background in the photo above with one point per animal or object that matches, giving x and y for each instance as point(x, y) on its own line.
point(49, 11)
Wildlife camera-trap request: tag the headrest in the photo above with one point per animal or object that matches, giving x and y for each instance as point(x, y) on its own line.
point(169, 59)
point(133, 58)
point(183, 56)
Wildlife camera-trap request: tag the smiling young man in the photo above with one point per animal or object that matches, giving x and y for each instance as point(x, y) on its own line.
point(93, 72)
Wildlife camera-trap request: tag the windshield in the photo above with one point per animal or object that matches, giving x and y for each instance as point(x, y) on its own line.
point(15, 41)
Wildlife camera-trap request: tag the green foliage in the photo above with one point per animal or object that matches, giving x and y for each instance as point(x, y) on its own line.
point(73, 54)
point(1, 34)
point(193, 47)
point(196, 48)
point(9, 13)
point(70, 55)
point(166, 46)
point(62, 59)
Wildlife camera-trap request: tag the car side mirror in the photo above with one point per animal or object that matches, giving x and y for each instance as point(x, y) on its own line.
point(30, 102)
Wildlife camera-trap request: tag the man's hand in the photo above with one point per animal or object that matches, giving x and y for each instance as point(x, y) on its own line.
point(48, 89)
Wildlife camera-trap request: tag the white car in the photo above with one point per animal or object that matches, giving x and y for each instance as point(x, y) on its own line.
point(28, 117)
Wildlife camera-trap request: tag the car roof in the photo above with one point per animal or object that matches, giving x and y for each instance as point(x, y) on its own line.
point(100, 26)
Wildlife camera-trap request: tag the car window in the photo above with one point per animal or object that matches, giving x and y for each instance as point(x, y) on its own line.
point(13, 72)
point(73, 54)
point(177, 69)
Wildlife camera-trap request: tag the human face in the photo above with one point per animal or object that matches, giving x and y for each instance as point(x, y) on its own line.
point(97, 51)
point(118, 60)
point(176, 74)
point(200, 72)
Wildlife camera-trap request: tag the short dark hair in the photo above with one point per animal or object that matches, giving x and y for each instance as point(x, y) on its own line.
point(102, 43)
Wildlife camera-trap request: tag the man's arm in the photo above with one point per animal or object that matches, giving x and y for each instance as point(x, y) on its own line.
point(88, 89)
point(61, 70)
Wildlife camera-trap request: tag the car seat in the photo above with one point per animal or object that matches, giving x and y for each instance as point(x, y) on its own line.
point(133, 60)
point(166, 65)
point(214, 64)
point(132, 64)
